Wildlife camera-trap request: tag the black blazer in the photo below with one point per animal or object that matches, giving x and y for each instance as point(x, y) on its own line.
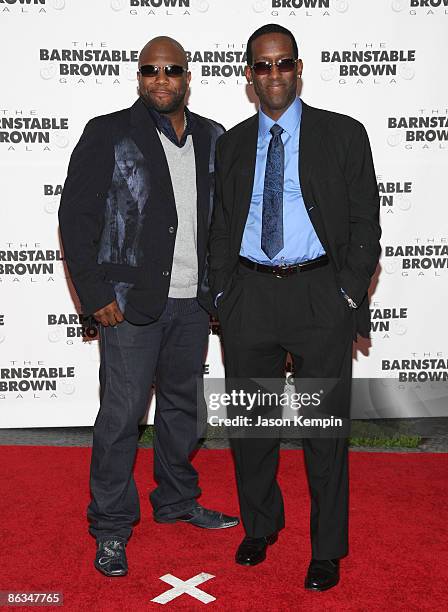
point(118, 217)
point(339, 189)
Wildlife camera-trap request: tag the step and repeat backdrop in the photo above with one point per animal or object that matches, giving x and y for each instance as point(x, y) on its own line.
point(65, 61)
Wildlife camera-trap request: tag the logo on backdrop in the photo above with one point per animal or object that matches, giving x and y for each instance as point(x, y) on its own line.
point(301, 8)
point(163, 8)
point(36, 380)
point(30, 263)
point(2, 328)
point(87, 62)
point(395, 196)
point(388, 321)
point(26, 7)
point(418, 367)
point(51, 193)
point(426, 257)
point(69, 326)
point(420, 7)
point(223, 64)
point(28, 131)
point(427, 129)
point(367, 63)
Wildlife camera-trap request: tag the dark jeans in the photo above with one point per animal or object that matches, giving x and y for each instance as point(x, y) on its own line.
point(170, 351)
point(263, 318)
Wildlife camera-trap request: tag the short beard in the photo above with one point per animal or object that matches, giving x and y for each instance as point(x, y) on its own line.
point(169, 107)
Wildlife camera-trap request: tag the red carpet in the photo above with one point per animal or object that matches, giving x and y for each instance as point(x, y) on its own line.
point(398, 537)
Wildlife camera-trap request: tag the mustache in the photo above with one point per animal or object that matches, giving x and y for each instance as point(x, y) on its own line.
point(152, 91)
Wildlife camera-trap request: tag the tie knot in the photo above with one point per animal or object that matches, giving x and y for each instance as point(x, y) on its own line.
point(276, 130)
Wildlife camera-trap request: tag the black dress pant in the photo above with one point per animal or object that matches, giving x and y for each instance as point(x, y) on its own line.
point(263, 318)
point(171, 351)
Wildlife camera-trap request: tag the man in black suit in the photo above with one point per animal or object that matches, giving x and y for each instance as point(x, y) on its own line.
point(134, 218)
point(294, 243)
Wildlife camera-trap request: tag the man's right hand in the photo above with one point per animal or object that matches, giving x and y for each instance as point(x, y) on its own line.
point(109, 315)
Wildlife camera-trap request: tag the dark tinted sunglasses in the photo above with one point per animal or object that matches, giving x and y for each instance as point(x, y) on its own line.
point(171, 70)
point(283, 65)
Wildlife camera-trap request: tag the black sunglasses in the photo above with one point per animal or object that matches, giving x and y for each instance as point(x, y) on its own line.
point(283, 65)
point(171, 70)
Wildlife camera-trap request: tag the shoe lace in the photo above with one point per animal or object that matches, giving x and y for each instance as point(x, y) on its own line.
point(211, 513)
point(113, 548)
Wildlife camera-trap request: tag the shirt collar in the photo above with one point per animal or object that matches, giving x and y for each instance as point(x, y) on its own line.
point(164, 125)
point(289, 121)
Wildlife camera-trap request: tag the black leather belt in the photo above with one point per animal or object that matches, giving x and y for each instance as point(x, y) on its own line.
point(284, 271)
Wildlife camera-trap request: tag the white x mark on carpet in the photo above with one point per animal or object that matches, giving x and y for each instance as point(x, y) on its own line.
point(184, 586)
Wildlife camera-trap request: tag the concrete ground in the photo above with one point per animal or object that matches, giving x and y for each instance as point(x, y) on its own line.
point(433, 431)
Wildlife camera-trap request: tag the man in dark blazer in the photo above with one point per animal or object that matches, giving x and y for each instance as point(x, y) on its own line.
point(294, 243)
point(134, 218)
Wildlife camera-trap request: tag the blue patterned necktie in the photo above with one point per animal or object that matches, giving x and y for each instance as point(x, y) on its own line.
point(272, 217)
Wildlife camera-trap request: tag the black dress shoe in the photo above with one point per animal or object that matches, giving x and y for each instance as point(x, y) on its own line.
point(110, 557)
point(201, 517)
point(322, 574)
point(252, 551)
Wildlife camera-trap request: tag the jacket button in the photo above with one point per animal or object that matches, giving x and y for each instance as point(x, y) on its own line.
point(171, 229)
point(165, 273)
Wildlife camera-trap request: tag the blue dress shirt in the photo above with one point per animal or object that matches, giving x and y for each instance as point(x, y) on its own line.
point(299, 237)
point(300, 241)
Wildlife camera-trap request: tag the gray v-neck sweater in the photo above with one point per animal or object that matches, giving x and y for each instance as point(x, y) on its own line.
point(182, 166)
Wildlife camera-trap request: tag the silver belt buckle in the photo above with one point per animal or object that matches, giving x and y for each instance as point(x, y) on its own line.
point(281, 273)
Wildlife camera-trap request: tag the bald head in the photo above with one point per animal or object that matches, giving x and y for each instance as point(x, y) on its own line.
point(163, 47)
point(165, 93)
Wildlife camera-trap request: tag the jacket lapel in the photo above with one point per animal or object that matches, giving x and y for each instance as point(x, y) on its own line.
point(145, 136)
point(201, 143)
point(246, 172)
point(311, 157)
point(308, 148)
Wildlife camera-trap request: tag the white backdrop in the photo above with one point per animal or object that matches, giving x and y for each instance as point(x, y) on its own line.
point(394, 83)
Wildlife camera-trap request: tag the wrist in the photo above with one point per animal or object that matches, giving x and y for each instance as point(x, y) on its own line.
point(349, 300)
